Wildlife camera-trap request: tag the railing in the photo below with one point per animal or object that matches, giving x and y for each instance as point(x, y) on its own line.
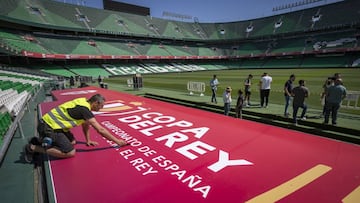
point(352, 97)
point(16, 124)
point(196, 87)
point(17, 109)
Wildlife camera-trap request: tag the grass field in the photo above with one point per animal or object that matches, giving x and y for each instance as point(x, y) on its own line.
point(235, 78)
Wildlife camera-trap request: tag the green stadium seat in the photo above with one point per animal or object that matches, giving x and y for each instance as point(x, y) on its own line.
point(89, 70)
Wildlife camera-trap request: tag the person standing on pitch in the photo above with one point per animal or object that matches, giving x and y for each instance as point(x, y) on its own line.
point(287, 93)
point(335, 94)
point(265, 86)
point(72, 81)
point(214, 84)
point(247, 89)
point(56, 124)
point(239, 105)
point(328, 83)
point(300, 93)
point(227, 100)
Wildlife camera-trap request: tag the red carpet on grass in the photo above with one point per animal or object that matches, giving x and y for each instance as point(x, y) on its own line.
point(179, 154)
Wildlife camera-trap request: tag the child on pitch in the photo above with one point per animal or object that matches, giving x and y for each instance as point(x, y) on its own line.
point(239, 104)
point(227, 100)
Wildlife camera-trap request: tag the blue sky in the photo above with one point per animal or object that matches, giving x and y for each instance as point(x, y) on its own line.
point(209, 10)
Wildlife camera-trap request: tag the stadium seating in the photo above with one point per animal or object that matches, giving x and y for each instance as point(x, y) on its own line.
point(278, 47)
point(146, 68)
point(282, 63)
point(109, 48)
point(214, 65)
point(88, 70)
point(16, 88)
point(333, 41)
point(332, 15)
point(76, 17)
point(325, 62)
point(56, 70)
point(108, 34)
point(252, 63)
point(356, 63)
point(60, 15)
point(285, 46)
point(250, 49)
point(55, 14)
point(5, 122)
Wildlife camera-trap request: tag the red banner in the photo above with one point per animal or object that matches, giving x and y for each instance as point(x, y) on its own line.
point(180, 154)
point(143, 57)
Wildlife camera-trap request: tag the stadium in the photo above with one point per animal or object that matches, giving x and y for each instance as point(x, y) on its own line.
point(155, 75)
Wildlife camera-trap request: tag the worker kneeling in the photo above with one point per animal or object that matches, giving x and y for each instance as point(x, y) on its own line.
point(54, 128)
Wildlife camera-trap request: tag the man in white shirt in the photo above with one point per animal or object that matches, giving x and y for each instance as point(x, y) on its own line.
point(265, 86)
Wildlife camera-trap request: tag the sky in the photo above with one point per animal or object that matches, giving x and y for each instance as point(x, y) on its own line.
point(210, 11)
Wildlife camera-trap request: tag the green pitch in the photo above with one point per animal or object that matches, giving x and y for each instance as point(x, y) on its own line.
point(314, 78)
point(175, 85)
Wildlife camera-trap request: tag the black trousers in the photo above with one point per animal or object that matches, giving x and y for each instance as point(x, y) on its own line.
point(60, 139)
point(264, 97)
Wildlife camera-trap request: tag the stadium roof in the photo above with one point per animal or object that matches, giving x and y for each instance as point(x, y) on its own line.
point(216, 11)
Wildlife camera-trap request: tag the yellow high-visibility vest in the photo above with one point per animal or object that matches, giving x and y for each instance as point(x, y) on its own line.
point(59, 118)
